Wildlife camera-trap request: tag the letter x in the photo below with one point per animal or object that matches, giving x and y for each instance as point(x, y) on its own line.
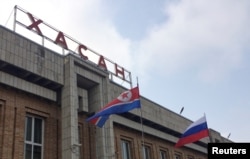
point(34, 24)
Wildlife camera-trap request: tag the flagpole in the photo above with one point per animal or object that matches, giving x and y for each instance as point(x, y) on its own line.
point(142, 128)
point(209, 136)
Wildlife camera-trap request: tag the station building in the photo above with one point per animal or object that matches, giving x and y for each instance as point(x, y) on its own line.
point(46, 97)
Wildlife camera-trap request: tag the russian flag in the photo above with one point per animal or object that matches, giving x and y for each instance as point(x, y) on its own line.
point(125, 102)
point(194, 132)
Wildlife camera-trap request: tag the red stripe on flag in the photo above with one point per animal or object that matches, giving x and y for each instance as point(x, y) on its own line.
point(192, 138)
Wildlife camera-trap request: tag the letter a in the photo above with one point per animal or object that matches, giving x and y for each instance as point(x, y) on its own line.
point(60, 40)
point(102, 62)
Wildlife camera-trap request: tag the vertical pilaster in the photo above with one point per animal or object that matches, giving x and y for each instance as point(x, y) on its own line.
point(104, 136)
point(70, 142)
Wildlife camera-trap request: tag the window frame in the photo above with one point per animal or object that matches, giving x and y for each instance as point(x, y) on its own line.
point(32, 141)
point(146, 154)
point(177, 155)
point(165, 152)
point(128, 149)
point(190, 157)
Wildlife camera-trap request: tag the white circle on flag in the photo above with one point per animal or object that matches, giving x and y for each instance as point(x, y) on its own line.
point(125, 96)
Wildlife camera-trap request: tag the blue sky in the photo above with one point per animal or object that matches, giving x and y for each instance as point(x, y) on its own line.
point(185, 53)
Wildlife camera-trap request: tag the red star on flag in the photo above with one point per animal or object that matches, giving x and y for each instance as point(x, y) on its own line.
point(125, 95)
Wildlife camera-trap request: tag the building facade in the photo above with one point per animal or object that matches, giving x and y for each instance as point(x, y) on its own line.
point(46, 97)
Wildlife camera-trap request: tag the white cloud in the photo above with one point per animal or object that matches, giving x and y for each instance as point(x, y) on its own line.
point(199, 35)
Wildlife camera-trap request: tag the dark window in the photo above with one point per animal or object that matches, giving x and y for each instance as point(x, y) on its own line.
point(163, 154)
point(33, 137)
point(80, 140)
point(126, 149)
point(190, 157)
point(177, 156)
point(146, 152)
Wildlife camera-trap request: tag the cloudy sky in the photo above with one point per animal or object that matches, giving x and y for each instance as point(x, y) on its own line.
point(185, 53)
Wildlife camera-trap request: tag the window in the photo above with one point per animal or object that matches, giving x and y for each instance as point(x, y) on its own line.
point(163, 154)
point(33, 147)
point(2, 116)
point(146, 152)
point(80, 140)
point(177, 157)
point(190, 157)
point(126, 149)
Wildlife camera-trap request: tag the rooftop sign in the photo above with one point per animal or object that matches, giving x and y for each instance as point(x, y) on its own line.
point(53, 35)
